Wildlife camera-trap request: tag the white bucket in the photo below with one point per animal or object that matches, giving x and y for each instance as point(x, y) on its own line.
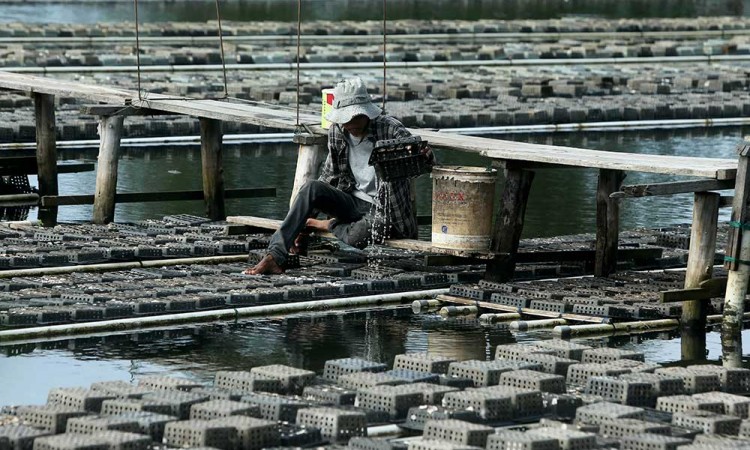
point(463, 200)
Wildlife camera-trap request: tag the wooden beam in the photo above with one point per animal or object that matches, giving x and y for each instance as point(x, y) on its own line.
point(509, 223)
point(120, 110)
point(212, 168)
point(672, 187)
point(699, 268)
point(46, 153)
point(27, 165)
point(168, 196)
point(607, 222)
point(623, 254)
point(706, 290)
point(110, 132)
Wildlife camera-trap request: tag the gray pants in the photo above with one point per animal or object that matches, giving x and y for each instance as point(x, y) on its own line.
point(353, 224)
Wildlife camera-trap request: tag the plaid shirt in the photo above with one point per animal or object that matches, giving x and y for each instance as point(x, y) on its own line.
point(336, 171)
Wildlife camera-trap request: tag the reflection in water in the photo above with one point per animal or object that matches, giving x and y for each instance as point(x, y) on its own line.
point(308, 341)
point(286, 10)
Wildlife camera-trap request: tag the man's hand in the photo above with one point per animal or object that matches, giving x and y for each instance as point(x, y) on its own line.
point(427, 152)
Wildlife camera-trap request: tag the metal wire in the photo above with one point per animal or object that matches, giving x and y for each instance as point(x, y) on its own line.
point(299, 38)
point(221, 44)
point(137, 49)
point(385, 43)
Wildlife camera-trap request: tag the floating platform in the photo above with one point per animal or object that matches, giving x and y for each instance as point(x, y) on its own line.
point(73, 274)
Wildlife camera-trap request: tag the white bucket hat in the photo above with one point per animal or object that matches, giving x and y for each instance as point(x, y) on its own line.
point(350, 99)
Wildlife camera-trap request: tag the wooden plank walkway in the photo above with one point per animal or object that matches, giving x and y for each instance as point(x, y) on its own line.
point(225, 110)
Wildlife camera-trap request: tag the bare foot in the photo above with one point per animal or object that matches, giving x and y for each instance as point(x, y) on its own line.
point(267, 265)
point(318, 225)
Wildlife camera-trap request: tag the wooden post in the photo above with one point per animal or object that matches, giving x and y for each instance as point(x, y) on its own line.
point(699, 268)
point(312, 152)
point(213, 170)
point(737, 258)
point(509, 223)
point(110, 132)
point(607, 221)
point(46, 154)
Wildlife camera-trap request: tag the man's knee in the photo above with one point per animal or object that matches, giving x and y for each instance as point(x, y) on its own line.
point(311, 187)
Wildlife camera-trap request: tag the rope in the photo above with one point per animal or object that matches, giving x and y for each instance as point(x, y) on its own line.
point(299, 33)
point(385, 43)
point(137, 49)
point(738, 261)
point(740, 225)
point(221, 45)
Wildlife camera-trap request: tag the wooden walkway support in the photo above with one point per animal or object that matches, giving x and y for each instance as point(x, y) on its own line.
point(212, 169)
point(509, 223)
point(607, 221)
point(110, 132)
point(700, 268)
point(312, 152)
point(46, 153)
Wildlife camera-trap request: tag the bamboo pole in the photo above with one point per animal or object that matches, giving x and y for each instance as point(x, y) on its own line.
point(228, 315)
point(492, 318)
point(110, 131)
point(423, 306)
point(737, 259)
point(608, 329)
point(456, 311)
point(121, 266)
point(526, 325)
point(46, 153)
point(312, 152)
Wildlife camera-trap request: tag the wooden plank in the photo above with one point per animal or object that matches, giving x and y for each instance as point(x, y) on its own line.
point(427, 247)
point(739, 207)
point(62, 88)
point(607, 222)
point(721, 169)
point(212, 169)
point(672, 187)
point(46, 153)
point(708, 289)
point(714, 168)
point(624, 254)
point(262, 223)
point(166, 196)
point(525, 311)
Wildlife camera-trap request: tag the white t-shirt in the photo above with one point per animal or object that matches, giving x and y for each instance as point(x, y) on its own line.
point(364, 174)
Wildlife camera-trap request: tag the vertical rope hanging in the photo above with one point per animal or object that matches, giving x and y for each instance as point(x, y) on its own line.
point(137, 49)
point(385, 42)
point(221, 45)
point(299, 34)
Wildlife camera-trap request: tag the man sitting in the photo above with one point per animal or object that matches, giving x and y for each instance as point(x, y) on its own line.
point(348, 190)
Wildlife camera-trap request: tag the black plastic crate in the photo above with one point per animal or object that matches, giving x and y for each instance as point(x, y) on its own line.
point(395, 159)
